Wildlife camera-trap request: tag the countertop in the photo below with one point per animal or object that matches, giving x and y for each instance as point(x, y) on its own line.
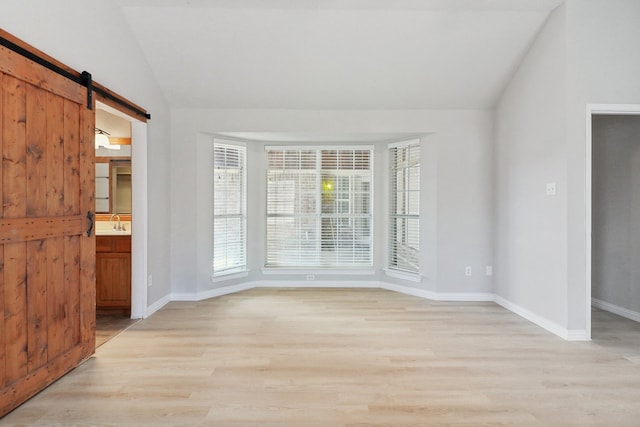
point(105, 228)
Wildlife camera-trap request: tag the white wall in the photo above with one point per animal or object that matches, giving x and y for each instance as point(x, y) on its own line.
point(67, 31)
point(459, 203)
point(603, 67)
point(616, 211)
point(531, 227)
point(587, 53)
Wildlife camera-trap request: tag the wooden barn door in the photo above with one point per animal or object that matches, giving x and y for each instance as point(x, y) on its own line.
point(47, 260)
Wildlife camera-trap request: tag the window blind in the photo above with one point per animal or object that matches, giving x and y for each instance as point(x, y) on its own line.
point(229, 207)
point(404, 227)
point(319, 207)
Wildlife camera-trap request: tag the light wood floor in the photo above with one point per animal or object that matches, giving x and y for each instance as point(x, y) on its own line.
point(336, 357)
point(110, 325)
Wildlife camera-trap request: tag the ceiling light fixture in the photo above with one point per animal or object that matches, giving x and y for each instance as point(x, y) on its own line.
point(102, 140)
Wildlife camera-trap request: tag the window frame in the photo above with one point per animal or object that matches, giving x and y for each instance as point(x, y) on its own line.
point(240, 269)
point(394, 268)
point(318, 214)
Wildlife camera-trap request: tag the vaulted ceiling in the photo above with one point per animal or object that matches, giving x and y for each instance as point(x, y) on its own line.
point(335, 54)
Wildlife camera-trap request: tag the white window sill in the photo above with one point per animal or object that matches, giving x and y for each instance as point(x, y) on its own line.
point(319, 271)
point(404, 275)
point(229, 275)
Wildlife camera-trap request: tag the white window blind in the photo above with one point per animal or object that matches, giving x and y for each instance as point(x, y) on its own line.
point(404, 247)
point(319, 207)
point(229, 208)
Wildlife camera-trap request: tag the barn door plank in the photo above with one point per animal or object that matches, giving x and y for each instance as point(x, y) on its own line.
point(36, 206)
point(71, 283)
point(71, 206)
point(57, 310)
point(87, 281)
point(71, 158)
point(14, 192)
point(3, 339)
point(37, 304)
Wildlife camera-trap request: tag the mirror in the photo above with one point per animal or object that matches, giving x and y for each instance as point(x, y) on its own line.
point(113, 186)
point(121, 187)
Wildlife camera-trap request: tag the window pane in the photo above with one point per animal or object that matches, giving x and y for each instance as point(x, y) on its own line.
point(229, 207)
point(315, 205)
point(404, 233)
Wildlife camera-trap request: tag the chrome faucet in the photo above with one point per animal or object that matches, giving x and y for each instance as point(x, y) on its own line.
point(119, 228)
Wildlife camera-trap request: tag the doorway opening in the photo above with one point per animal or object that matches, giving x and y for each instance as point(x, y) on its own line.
point(613, 227)
point(129, 218)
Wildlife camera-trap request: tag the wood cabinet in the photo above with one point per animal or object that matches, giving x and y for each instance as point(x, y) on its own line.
point(113, 273)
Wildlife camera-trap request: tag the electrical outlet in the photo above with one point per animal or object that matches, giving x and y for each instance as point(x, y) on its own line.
point(488, 270)
point(150, 281)
point(467, 271)
point(311, 277)
point(551, 189)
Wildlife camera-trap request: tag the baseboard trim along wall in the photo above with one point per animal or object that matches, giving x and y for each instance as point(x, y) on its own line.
point(564, 333)
point(158, 305)
point(314, 284)
point(620, 311)
point(437, 296)
point(569, 335)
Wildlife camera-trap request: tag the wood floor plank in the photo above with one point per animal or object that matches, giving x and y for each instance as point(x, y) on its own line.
point(344, 357)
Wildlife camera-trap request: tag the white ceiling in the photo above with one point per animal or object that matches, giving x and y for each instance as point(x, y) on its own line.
point(318, 137)
point(335, 54)
point(114, 125)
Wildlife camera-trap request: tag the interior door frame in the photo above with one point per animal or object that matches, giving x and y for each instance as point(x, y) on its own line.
point(139, 212)
point(593, 110)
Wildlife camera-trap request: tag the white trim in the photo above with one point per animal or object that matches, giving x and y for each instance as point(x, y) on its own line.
point(408, 290)
point(406, 143)
point(404, 275)
point(139, 221)
point(217, 140)
point(158, 305)
point(577, 335)
point(554, 328)
point(327, 146)
point(319, 271)
point(212, 293)
point(316, 284)
point(614, 109)
point(438, 296)
point(588, 220)
point(615, 309)
point(566, 334)
point(229, 275)
point(595, 109)
point(466, 296)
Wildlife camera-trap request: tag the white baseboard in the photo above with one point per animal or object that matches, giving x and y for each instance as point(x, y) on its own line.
point(438, 296)
point(212, 293)
point(577, 335)
point(157, 305)
point(567, 334)
point(315, 284)
point(465, 296)
point(620, 311)
point(408, 290)
point(554, 328)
